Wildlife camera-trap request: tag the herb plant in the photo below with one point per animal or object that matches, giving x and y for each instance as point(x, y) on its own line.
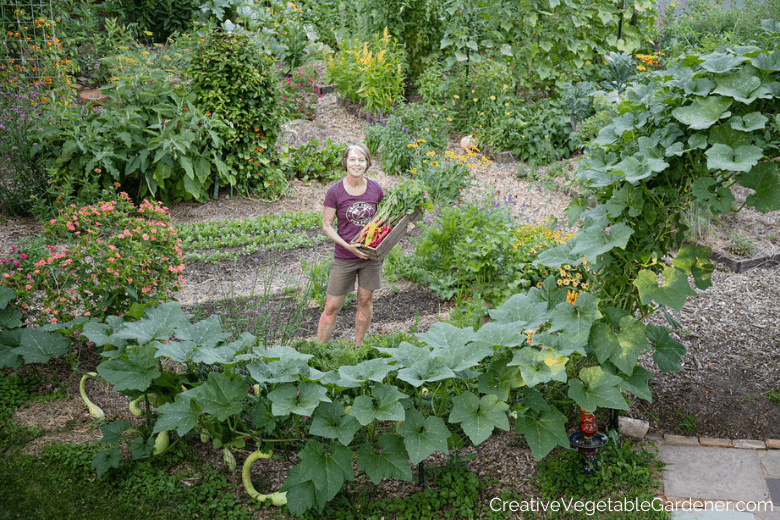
point(408, 132)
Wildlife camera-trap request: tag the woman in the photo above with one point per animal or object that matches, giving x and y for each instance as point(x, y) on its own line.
point(354, 201)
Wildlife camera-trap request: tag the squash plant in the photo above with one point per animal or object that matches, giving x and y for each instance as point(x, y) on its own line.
point(379, 410)
point(702, 125)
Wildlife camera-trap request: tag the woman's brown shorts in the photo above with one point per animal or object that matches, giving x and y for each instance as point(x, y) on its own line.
point(343, 274)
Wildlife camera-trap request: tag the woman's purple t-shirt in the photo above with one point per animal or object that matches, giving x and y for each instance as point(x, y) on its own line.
point(352, 212)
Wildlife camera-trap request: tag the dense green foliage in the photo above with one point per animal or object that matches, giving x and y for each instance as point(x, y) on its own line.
point(517, 75)
point(157, 20)
point(150, 138)
point(623, 473)
point(479, 249)
point(703, 124)
point(233, 82)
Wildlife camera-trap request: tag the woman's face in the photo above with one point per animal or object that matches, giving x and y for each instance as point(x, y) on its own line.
point(356, 163)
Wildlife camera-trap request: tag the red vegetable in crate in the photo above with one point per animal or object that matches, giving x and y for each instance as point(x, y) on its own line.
point(402, 200)
point(380, 236)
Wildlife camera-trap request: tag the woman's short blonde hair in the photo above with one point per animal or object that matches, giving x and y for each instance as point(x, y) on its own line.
point(359, 147)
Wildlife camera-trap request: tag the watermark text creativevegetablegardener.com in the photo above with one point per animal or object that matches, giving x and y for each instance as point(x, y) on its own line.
point(591, 507)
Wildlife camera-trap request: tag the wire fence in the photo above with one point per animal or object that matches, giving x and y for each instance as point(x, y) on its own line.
point(28, 27)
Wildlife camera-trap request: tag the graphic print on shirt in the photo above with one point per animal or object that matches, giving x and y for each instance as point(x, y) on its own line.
point(360, 213)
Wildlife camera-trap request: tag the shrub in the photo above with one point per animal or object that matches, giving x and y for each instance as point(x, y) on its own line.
point(150, 138)
point(107, 257)
point(233, 80)
point(369, 72)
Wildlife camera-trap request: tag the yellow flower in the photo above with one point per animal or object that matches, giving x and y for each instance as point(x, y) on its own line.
point(504, 87)
point(475, 100)
point(571, 297)
point(414, 170)
point(456, 96)
point(492, 98)
point(430, 153)
point(640, 67)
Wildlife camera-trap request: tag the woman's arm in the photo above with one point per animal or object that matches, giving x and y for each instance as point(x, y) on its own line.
point(327, 227)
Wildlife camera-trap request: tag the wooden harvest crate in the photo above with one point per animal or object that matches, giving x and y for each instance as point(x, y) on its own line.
point(390, 241)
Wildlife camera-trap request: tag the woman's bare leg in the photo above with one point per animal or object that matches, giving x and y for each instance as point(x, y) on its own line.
point(365, 307)
point(327, 323)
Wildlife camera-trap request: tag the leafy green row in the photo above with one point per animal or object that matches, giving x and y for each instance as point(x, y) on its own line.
point(283, 231)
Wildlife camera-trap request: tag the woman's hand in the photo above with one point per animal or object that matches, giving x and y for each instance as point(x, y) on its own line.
point(353, 248)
